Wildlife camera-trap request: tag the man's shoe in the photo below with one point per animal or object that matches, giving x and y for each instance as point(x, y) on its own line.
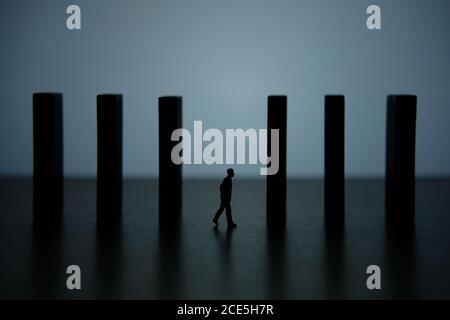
point(232, 225)
point(215, 222)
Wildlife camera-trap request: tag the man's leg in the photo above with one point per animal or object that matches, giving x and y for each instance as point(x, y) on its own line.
point(219, 212)
point(228, 213)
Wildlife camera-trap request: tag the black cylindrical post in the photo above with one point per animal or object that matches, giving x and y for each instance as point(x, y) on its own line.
point(276, 183)
point(334, 189)
point(170, 174)
point(47, 155)
point(400, 157)
point(109, 157)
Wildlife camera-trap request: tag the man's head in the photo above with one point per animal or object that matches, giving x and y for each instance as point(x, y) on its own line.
point(230, 172)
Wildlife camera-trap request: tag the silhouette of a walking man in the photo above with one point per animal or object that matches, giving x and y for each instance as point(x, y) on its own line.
point(225, 199)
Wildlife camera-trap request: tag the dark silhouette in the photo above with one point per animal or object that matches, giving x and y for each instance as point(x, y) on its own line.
point(170, 280)
point(400, 157)
point(277, 275)
point(334, 189)
point(109, 250)
point(225, 199)
point(401, 258)
point(226, 260)
point(276, 183)
point(335, 257)
point(109, 157)
point(170, 174)
point(47, 259)
point(47, 155)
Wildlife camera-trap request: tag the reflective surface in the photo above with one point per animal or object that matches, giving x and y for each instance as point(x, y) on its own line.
point(192, 259)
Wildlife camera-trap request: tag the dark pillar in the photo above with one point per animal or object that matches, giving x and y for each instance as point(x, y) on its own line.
point(334, 158)
point(276, 184)
point(400, 157)
point(47, 155)
point(170, 191)
point(109, 157)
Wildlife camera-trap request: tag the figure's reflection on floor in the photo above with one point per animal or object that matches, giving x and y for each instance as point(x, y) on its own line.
point(334, 264)
point(401, 266)
point(169, 281)
point(109, 264)
point(48, 276)
point(276, 273)
point(225, 248)
point(308, 261)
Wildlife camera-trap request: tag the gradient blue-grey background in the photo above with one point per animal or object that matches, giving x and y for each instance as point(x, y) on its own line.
point(224, 58)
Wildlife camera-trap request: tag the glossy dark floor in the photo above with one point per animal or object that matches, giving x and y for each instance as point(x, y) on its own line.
point(307, 261)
